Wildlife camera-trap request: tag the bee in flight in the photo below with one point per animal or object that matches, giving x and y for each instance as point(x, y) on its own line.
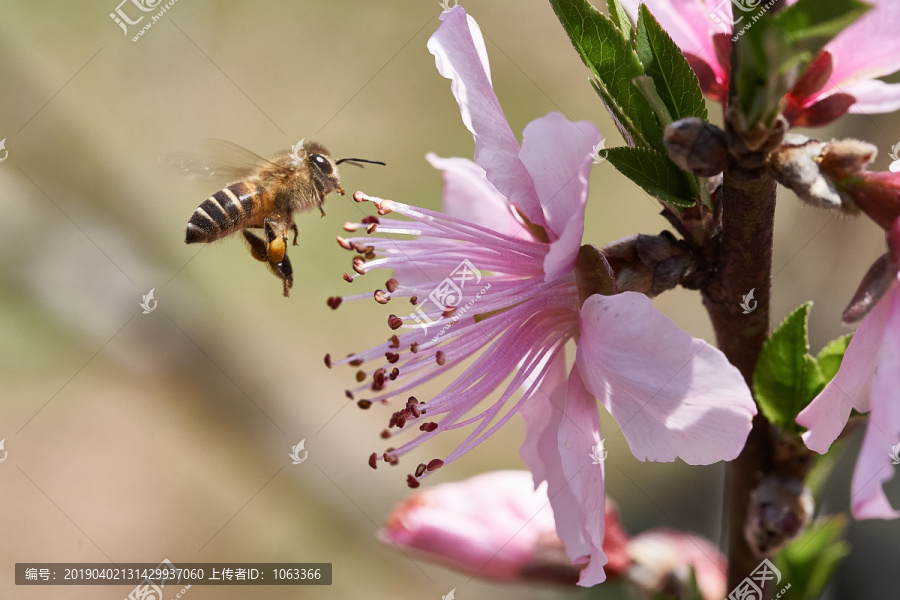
point(263, 194)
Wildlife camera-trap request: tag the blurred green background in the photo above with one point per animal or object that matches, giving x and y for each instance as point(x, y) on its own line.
point(136, 437)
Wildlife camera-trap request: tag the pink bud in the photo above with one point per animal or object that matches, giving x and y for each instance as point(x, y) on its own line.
point(495, 526)
point(663, 560)
point(876, 193)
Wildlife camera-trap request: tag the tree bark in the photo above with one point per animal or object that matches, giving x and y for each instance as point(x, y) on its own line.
point(745, 263)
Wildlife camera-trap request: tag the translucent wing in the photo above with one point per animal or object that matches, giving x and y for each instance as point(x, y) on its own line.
point(220, 161)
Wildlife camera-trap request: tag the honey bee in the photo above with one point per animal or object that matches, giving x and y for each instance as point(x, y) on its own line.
point(263, 194)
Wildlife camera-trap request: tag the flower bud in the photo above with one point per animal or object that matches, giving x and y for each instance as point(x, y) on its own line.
point(842, 158)
point(875, 193)
point(834, 175)
point(795, 165)
point(696, 146)
point(780, 508)
point(495, 526)
point(662, 561)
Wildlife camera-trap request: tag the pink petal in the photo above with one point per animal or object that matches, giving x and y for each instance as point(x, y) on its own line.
point(468, 195)
point(827, 414)
point(562, 427)
point(579, 433)
point(559, 154)
point(874, 466)
point(673, 395)
point(460, 58)
point(873, 96)
point(542, 419)
point(869, 47)
point(560, 260)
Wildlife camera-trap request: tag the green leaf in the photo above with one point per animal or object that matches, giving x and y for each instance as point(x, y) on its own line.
point(832, 354)
point(763, 75)
point(808, 562)
point(620, 18)
point(613, 61)
point(810, 24)
point(787, 378)
point(653, 171)
point(675, 80)
point(647, 88)
point(629, 131)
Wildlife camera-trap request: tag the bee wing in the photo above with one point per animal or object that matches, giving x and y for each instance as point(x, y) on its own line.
point(220, 161)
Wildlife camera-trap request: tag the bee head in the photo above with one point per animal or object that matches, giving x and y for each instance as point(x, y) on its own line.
point(323, 168)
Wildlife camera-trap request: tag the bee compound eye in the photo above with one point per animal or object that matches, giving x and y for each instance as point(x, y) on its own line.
point(322, 163)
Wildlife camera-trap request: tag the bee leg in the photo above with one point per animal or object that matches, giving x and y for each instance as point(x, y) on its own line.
point(277, 244)
point(276, 253)
point(285, 272)
point(258, 246)
point(296, 232)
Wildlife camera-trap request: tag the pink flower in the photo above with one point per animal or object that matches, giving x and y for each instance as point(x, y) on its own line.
point(497, 526)
point(868, 381)
point(494, 526)
point(845, 74)
point(494, 292)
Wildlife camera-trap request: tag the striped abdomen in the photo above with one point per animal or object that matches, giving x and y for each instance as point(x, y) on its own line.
point(228, 209)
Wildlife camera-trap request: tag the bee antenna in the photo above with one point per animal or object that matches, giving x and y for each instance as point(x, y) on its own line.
point(356, 161)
